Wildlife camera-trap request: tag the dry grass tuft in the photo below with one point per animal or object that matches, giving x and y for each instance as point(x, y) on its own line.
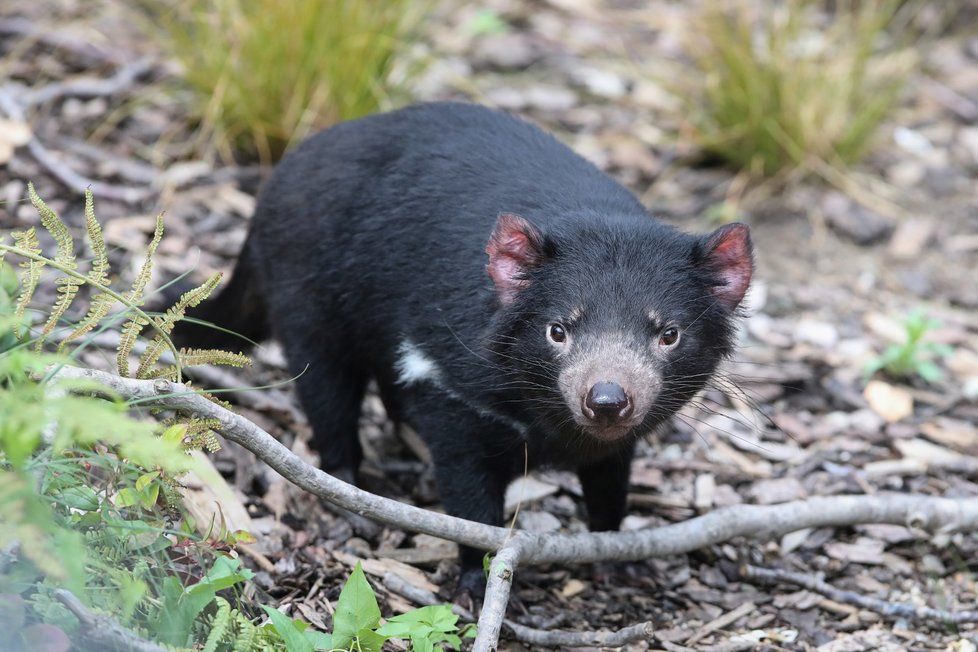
point(266, 73)
point(782, 86)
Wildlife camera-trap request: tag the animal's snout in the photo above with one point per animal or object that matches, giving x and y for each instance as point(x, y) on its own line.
point(607, 403)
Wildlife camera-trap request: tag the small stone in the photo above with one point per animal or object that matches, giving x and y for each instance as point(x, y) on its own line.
point(863, 551)
point(778, 490)
point(865, 421)
point(538, 522)
point(602, 83)
point(818, 333)
point(507, 51)
point(550, 98)
point(704, 491)
point(858, 224)
point(907, 173)
point(572, 588)
point(968, 139)
point(910, 238)
point(889, 401)
point(527, 490)
point(507, 98)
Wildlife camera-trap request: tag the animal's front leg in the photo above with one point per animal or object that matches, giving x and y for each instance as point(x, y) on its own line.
point(605, 485)
point(473, 464)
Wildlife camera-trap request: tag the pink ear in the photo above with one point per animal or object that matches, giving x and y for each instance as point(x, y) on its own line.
point(515, 246)
point(729, 254)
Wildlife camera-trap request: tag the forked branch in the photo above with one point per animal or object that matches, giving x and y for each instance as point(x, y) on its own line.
point(920, 513)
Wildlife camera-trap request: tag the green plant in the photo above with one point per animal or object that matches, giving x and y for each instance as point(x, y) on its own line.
point(264, 73)
point(914, 356)
point(89, 494)
point(357, 626)
point(786, 85)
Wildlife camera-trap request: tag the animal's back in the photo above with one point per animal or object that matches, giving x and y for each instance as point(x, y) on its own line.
point(380, 224)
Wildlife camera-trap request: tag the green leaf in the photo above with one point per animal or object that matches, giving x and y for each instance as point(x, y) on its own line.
point(930, 372)
point(127, 497)
point(421, 644)
point(319, 640)
point(145, 479)
point(356, 609)
point(78, 497)
point(291, 635)
point(370, 641)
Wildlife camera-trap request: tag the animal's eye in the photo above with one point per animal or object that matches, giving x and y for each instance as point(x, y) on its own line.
point(669, 337)
point(557, 333)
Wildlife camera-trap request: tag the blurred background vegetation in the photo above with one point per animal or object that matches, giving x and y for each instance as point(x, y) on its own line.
point(264, 74)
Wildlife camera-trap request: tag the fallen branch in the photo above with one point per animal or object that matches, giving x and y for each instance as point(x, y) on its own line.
point(89, 87)
point(501, 570)
point(931, 514)
point(882, 607)
point(101, 632)
point(82, 49)
point(557, 638)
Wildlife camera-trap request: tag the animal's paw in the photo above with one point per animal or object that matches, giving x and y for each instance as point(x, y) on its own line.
point(471, 590)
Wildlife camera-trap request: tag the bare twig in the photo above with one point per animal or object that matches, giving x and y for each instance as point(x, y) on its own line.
point(101, 632)
point(882, 607)
point(110, 163)
point(721, 622)
point(931, 514)
point(80, 48)
point(501, 570)
point(556, 638)
point(89, 87)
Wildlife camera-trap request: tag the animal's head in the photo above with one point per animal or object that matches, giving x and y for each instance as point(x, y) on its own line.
point(613, 327)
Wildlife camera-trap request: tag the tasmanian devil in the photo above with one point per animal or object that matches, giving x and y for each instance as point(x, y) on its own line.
point(509, 299)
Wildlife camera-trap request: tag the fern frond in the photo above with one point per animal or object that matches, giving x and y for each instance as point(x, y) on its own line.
point(135, 326)
point(164, 325)
point(197, 357)
point(244, 640)
point(219, 624)
point(67, 285)
point(57, 229)
point(127, 339)
point(169, 372)
point(31, 269)
point(101, 303)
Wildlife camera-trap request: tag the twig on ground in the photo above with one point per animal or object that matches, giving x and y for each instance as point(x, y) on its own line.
point(67, 176)
point(102, 632)
point(633, 634)
point(882, 607)
point(80, 48)
point(720, 623)
point(501, 570)
point(128, 168)
point(89, 87)
point(931, 514)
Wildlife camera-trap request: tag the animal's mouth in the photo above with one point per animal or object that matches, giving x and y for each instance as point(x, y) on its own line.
point(607, 433)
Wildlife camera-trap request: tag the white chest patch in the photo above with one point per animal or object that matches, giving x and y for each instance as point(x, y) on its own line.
point(413, 366)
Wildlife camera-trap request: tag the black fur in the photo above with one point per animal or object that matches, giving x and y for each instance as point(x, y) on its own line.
point(374, 233)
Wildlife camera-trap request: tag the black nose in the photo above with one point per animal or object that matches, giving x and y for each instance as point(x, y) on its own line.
point(608, 402)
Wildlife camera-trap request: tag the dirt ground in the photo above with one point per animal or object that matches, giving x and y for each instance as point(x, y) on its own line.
point(791, 416)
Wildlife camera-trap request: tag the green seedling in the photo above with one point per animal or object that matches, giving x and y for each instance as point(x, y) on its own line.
point(915, 356)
